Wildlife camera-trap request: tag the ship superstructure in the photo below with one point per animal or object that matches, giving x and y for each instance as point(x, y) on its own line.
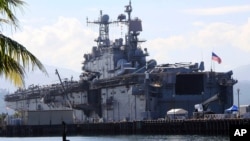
point(119, 83)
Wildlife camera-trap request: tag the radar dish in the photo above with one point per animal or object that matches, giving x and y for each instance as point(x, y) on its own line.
point(105, 19)
point(121, 17)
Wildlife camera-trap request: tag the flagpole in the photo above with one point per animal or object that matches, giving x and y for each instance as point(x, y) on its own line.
point(211, 69)
point(214, 65)
point(212, 60)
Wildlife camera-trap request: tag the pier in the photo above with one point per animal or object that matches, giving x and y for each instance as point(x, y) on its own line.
point(211, 127)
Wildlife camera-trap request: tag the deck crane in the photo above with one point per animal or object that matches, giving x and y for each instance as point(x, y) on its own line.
point(202, 108)
point(65, 96)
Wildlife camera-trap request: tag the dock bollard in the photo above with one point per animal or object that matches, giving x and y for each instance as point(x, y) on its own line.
point(64, 132)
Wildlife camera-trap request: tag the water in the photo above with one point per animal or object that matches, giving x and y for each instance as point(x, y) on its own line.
point(122, 138)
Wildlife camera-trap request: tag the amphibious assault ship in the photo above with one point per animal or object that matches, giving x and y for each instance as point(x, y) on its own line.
point(118, 83)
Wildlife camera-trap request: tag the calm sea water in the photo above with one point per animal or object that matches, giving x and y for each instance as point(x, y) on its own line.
point(122, 138)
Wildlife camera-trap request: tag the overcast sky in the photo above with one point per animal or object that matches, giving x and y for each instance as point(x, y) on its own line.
point(176, 31)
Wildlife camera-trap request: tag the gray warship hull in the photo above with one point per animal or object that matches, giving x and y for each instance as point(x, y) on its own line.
point(118, 83)
point(150, 96)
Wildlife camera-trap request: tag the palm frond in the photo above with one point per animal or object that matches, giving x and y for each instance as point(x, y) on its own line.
point(14, 57)
point(12, 70)
point(11, 51)
point(7, 8)
point(19, 53)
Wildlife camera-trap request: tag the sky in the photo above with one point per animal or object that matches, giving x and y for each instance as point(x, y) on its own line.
point(56, 31)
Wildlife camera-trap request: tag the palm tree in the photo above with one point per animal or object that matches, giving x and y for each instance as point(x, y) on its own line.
point(15, 59)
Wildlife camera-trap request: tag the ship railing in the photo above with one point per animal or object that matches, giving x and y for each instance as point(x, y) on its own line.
point(36, 91)
point(11, 97)
point(187, 65)
point(214, 116)
point(125, 80)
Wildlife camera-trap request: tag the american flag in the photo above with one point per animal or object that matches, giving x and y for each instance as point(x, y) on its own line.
point(216, 57)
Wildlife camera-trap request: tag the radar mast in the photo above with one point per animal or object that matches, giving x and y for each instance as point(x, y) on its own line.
point(103, 38)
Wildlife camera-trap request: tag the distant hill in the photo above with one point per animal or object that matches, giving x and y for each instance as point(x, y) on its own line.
point(242, 73)
point(3, 108)
point(244, 87)
point(243, 77)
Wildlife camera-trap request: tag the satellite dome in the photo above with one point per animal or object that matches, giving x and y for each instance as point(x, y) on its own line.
point(105, 18)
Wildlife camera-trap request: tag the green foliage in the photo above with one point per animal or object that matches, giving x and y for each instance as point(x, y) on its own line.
point(6, 9)
point(14, 57)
